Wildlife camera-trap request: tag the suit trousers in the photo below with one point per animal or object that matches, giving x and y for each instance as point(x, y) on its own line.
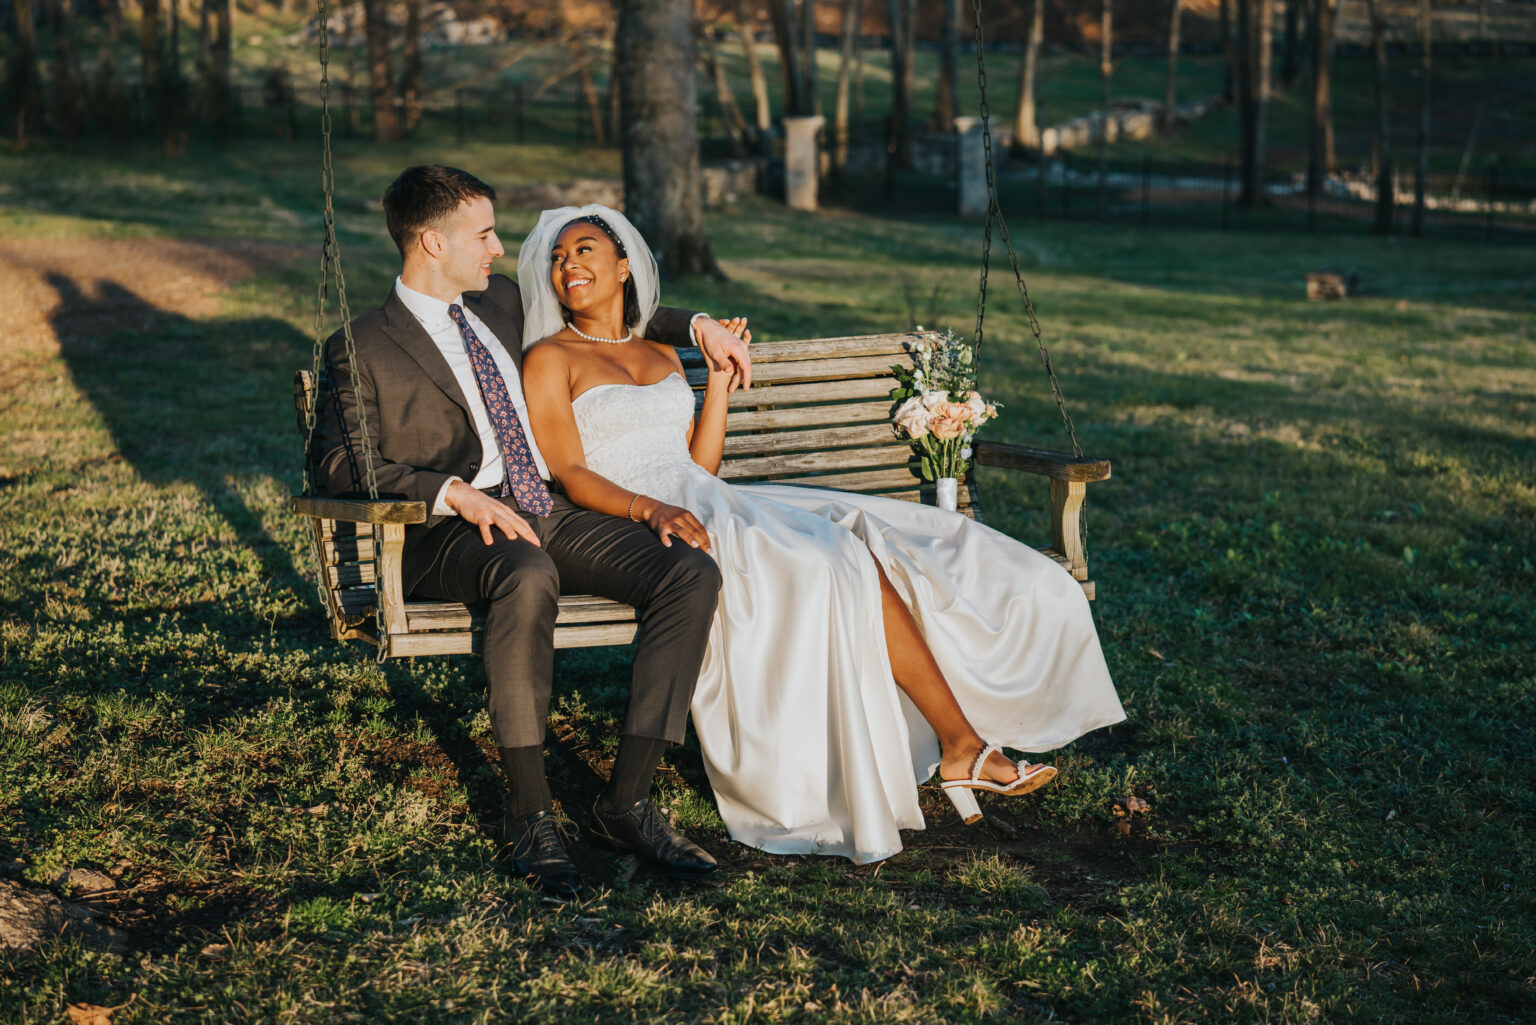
point(673, 590)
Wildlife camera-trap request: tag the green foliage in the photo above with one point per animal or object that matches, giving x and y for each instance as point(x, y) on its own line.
point(1333, 735)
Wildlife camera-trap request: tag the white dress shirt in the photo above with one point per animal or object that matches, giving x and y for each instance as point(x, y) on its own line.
point(433, 315)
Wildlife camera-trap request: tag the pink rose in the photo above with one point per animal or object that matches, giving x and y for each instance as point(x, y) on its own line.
point(912, 417)
point(950, 420)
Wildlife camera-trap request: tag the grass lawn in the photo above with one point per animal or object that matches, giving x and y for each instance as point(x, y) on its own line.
point(1316, 566)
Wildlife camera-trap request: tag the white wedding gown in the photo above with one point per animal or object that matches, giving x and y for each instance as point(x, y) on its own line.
point(810, 746)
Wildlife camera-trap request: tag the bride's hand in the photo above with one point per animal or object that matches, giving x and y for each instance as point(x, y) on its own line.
point(730, 374)
point(669, 521)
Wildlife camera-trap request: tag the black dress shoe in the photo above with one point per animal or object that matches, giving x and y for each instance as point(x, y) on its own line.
point(538, 853)
point(645, 832)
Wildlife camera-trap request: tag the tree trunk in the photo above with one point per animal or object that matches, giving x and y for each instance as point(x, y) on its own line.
point(1290, 67)
point(411, 71)
point(149, 49)
point(223, 35)
point(731, 120)
point(663, 191)
point(173, 44)
point(23, 98)
point(754, 69)
point(1381, 129)
point(903, 29)
point(1106, 71)
point(1026, 133)
point(782, 14)
point(1171, 87)
point(1426, 61)
point(944, 106)
point(386, 126)
point(850, 29)
point(811, 87)
point(1320, 151)
point(858, 64)
point(68, 95)
point(1229, 47)
point(1255, 28)
point(204, 41)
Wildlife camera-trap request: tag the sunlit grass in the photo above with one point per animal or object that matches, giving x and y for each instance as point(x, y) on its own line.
point(1315, 563)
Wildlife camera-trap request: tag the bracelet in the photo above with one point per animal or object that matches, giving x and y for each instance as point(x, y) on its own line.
point(630, 512)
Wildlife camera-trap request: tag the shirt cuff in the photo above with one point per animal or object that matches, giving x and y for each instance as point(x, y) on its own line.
point(693, 325)
point(441, 507)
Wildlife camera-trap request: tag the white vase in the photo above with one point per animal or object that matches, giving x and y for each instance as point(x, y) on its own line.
point(949, 493)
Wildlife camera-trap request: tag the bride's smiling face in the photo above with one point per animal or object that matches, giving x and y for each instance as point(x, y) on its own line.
point(587, 272)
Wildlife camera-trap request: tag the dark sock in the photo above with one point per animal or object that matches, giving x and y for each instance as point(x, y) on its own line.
point(633, 771)
point(527, 787)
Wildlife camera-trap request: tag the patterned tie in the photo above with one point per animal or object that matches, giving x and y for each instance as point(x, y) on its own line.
point(522, 478)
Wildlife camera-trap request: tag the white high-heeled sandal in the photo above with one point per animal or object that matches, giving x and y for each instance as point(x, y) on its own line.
point(959, 790)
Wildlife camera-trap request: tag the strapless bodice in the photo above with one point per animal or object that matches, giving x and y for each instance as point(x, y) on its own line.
point(636, 435)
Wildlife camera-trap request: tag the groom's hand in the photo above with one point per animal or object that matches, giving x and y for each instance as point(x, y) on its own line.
point(725, 348)
point(475, 506)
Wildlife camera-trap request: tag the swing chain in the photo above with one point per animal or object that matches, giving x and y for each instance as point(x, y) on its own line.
point(330, 257)
point(995, 212)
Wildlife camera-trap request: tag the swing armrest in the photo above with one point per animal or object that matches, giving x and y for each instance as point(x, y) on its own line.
point(351, 510)
point(1041, 462)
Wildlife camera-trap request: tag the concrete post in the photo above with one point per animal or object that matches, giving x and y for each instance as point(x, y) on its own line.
point(971, 167)
point(801, 166)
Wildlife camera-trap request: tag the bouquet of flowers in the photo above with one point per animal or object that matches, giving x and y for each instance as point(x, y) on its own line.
point(937, 405)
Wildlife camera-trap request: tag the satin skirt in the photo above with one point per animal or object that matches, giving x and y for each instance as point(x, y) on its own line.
point(809, 744)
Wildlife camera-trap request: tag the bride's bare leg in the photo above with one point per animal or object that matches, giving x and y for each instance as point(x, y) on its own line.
point(920, 678)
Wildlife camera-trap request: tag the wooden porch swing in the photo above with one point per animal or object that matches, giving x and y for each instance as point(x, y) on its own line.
point(818, 414)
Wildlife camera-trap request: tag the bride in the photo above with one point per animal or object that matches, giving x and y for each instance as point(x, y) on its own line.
point(858, 642)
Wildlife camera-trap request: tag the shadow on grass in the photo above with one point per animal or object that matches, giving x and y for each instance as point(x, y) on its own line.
point(186, 401)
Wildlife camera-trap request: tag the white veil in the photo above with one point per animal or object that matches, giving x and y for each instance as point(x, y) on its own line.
point(542, 315)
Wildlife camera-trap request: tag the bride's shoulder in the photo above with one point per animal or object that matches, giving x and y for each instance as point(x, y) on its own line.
point(547, 352)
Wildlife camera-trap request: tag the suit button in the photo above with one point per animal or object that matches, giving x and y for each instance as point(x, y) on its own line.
point(474, 466)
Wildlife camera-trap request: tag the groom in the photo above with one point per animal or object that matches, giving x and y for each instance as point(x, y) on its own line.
point(437, 378)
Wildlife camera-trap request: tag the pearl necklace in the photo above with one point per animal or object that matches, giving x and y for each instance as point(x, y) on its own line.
point(595, 338)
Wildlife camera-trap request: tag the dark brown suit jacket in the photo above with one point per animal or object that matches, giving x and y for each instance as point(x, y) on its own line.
point(419, 430)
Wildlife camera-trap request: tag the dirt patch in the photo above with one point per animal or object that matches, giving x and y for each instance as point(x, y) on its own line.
point(52, 290)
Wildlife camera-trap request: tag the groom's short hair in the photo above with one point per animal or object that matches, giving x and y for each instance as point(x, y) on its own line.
point(423, 196)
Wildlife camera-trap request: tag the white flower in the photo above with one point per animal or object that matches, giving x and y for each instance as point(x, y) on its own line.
point(932, 400)
point(978, 404)
point(965, 453)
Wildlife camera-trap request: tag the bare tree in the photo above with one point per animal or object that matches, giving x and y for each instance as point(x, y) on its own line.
point(730, 114)
point(1106, 71)
point(782, 14)
point(22, 80)
point(68, 93)
point(1255, 29)
point(1290, 66)
point(411, 68)
point(376, 29)
point(764, 119)
point(945, 107)
point(1320, 150)
point(663, 188)
point(1426, 62)
point(811, 87)
point(1026, 133)
point(219, 94)
point(1381, 127)
point(850, 31)
point(1171, 86)
point(149, 46)
point(903, 46)
point(1230, 50)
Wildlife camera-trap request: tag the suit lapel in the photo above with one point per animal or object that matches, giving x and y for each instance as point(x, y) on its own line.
point(406, 331)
